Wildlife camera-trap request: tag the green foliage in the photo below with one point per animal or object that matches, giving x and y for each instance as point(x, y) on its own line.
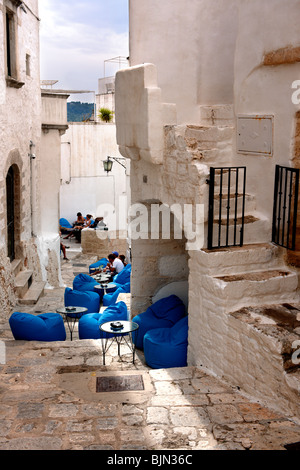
point(79, 112)
point(106, 114)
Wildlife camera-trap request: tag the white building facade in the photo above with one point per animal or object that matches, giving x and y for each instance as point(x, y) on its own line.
point(212, 116)
point(85, 186)
point(29, 240)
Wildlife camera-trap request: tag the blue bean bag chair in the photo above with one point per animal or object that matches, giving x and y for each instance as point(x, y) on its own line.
point(84, 283)
point(89, 325)
point(167, 347)
point(102, 263)
point(65, 223)
point(110, 299)
point(87, 299)
point(46, 327)
point(124, 276)
point(162, 314)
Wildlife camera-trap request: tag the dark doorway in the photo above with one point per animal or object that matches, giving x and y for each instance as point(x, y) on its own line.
point(10, 205)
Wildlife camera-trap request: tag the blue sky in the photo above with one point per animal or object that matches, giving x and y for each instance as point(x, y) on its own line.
point(78, 36)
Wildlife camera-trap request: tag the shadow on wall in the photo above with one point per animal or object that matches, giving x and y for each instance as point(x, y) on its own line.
point(180, 288)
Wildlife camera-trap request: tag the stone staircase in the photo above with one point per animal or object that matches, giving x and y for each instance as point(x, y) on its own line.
point(27, 290)
point(251, 275)
point(243, 289)
point(252, 297)
point(212, 144)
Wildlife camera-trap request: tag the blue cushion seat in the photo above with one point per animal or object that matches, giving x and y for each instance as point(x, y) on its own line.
point(65, 223)
point(89, 300)
point(88, 325)
point(124, 276)
point(167, 347)
point(110, 299)
point(46, 327)
point(102, 263)
point(162, 314)
point(84, 282)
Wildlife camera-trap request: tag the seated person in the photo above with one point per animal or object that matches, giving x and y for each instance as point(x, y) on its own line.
point(77, 228)
point(80, 220)
point(122, 258)
point(78, 223)
point(115, 265)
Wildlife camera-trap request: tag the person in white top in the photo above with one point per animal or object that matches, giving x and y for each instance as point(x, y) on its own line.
point(115, 265)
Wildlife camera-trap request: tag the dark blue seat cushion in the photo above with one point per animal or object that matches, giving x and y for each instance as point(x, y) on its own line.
point(89, 325)
point(124, 276)
point(84, 282)
point(167, 347)
point(99, 264)
point(45, 327)
point(162, 314)
point(65, 223)
point(110, 299)
point(90, 300)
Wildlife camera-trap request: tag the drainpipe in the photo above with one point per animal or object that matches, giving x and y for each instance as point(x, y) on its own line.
point(33, 190)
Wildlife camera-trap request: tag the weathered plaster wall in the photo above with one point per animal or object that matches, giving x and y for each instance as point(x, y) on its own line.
point(262, 86)
point(192, 44)
point(215, 64)
point(221, 53)
point(20, 123)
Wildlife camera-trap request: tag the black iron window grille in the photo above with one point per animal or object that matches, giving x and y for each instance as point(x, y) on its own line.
point(286, 191)
point(226, 218)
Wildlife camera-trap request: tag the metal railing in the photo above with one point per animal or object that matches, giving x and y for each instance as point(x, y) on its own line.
point(286, 191)
point(226, 218)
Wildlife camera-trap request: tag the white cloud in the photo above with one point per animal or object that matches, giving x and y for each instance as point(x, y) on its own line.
point(73, 51)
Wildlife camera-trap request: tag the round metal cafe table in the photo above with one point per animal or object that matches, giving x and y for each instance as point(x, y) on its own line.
point(126, 335)
point(72, 314)
point(103, 286)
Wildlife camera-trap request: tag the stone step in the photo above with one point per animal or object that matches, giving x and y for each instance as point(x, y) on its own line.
point(250, 205)
point(255, 288)
point(16, 266)
point(250, 257)
point(271, 341)
point(225, 180)
point(23, 281)
point(257, 229)
point(33, 293)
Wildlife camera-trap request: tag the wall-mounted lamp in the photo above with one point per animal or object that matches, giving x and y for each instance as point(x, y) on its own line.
point(22, 6)
point(108, 163)
point(31, 155)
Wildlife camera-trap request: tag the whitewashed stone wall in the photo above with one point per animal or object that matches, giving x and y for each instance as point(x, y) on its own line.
point(85, 187)
point(20, 123)
point(228, 65)
point(224, 344)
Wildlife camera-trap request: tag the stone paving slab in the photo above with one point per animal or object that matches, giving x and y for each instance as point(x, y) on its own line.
point(49, 401)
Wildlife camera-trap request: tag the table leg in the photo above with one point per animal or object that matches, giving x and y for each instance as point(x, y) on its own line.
point(71, 325)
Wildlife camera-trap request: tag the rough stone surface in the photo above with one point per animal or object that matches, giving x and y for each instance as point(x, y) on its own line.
point(49, 400)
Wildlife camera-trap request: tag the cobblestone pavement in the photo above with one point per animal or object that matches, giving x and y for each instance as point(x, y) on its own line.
point(49, 399)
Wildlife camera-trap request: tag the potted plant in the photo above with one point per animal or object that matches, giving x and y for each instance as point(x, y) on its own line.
point(106, 115)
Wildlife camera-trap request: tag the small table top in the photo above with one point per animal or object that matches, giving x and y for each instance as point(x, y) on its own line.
point(100, 286)
point(101, 276)
point(128, 327)
point(70, 311)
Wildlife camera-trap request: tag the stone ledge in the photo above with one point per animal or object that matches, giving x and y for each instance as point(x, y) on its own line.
point(101, 242)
